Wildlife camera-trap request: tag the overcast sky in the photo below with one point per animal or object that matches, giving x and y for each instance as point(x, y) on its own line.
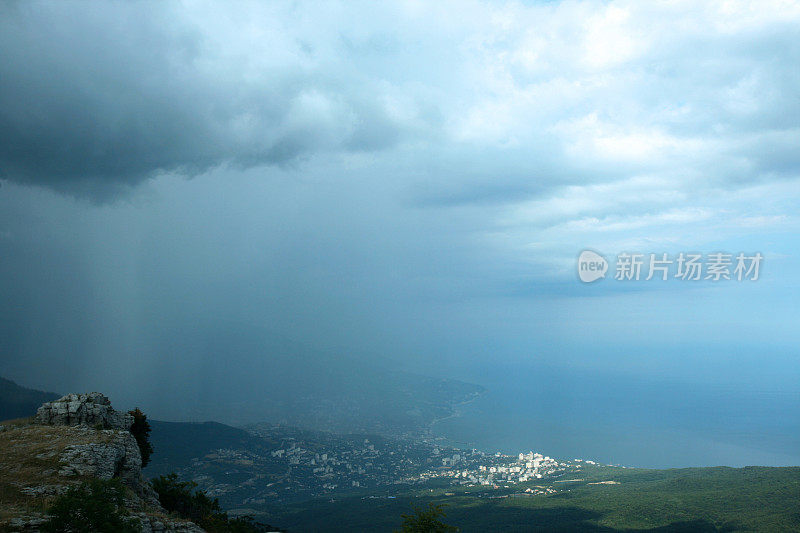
point(410, 182)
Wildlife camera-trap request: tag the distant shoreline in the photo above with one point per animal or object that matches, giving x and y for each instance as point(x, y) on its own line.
point(456, 413)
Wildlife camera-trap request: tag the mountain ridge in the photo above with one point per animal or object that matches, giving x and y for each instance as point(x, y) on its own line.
point(17, 401)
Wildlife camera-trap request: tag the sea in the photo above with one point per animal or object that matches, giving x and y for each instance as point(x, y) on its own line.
point(634, 422)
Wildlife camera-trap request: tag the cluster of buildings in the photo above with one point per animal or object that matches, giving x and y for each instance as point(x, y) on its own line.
point(289, 465)
point(483, 469)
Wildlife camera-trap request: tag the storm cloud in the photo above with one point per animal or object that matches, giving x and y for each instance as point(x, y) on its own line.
point(97, 96)
point(406, 181)
point(483, 103)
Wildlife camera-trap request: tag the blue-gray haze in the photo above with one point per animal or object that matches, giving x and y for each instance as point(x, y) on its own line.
point(411, 183)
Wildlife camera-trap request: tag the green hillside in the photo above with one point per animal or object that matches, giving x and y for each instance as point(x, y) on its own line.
point(690, 500)
point(588, 498)
point(176, 443)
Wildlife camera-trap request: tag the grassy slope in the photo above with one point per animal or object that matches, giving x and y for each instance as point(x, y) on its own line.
point(29, 456)
point(695, 499)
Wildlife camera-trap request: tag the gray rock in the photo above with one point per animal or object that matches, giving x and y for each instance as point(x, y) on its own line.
point(119, 457)
point(149, 523)
point(112, 454)
point(44, 490)
point(28, 524)
point(152, 524)
point(92, 409)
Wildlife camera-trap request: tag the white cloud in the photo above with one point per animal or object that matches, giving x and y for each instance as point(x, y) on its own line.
point(563, 121)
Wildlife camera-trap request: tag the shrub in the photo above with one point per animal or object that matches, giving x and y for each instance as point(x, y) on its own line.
point(426, 520)
point(94, 506)
point(141, 432)
point(182, 498)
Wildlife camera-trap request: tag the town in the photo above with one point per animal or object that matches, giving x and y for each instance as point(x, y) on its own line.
point(291, 465)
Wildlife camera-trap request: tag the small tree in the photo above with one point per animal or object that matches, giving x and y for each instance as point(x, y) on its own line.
point(426, 520)
point(97, 505)
point(141, 432)
point(183, 499)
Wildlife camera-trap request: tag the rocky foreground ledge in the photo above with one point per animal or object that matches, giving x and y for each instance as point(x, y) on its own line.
point(71, 440)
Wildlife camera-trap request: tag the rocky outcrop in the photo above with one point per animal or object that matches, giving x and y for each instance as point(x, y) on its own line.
point(80, 436)
point(148, 523)
point(118, 457)
point(152, 524)
point(115, 456)
point(92, 409)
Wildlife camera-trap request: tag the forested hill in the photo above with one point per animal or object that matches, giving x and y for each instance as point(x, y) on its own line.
point(18, 402)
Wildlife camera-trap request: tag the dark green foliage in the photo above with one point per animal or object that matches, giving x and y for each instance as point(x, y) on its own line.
point(426, 520)
point(182, 498)
point(222, 524)
point(178, 442)
point(94, 506)
point(141, 432)
point(657, 501)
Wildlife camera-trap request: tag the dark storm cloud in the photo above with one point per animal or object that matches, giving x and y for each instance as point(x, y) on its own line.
point(412, 181)
point(95, 96)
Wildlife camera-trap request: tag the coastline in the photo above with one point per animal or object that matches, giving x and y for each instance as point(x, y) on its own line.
point(455, 414)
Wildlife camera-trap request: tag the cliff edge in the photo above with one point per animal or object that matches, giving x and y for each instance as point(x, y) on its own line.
point(71, 440)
